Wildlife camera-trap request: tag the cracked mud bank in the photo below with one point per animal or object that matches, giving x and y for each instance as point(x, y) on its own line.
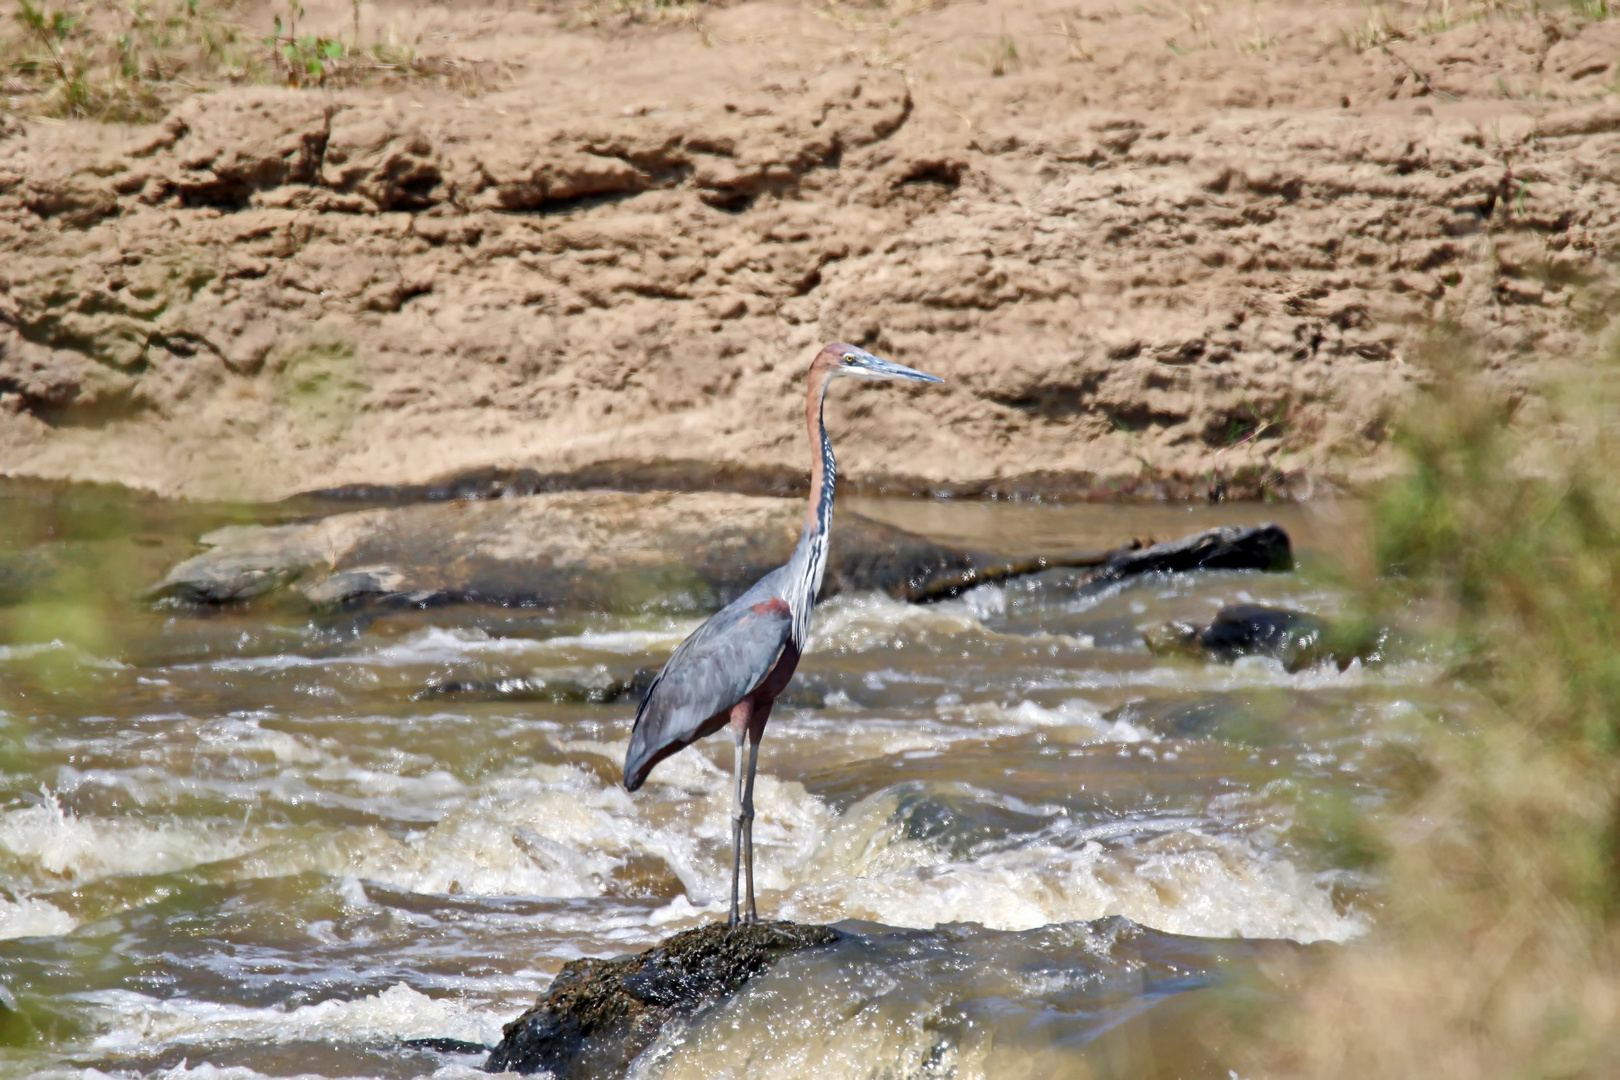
point(1148, 252)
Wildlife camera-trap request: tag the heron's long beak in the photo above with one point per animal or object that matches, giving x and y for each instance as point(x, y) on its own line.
point(874, 367)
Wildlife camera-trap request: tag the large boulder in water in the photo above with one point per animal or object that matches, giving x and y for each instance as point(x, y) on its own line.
point(598, 1015)
point(608, 550)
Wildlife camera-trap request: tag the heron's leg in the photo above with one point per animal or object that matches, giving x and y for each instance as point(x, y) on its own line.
point(739, 729)
point(756, 731)
point(748, 823)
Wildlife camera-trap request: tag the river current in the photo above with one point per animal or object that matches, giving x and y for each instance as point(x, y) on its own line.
point(252, 844)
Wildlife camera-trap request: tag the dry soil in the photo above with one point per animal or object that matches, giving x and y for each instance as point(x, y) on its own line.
point(1151, 248)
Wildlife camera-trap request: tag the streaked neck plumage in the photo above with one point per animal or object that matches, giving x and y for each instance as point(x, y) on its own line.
point(809, 560)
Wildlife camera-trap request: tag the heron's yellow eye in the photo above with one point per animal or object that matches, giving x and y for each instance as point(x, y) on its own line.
point(849, 358)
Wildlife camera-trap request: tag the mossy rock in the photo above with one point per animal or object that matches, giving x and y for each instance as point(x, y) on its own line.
point(599, 1014)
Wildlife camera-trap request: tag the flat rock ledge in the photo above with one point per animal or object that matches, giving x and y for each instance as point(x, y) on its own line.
point(624, 551)
point(599, 1014)
point(607, 550)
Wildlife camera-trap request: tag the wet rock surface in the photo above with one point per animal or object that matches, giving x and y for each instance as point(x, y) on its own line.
point(599, 1014)
point(621, 551)
point(606, 550)
point(1248, 629)
point(1297, 639)
point(1232, 547)
point(595, 685)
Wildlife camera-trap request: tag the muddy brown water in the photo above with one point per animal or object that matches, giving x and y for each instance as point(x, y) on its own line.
point(245, 844)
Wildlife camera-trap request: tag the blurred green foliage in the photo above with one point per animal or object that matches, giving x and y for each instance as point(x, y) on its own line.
point(1495, 951)
point(74, 562)
point(1514, 529)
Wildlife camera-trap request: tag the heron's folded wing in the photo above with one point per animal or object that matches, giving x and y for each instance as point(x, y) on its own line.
point(713, 669)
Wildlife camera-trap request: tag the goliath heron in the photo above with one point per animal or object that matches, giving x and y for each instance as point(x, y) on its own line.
point(731, 669)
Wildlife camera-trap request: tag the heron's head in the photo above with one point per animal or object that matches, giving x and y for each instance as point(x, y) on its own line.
point(841, 359)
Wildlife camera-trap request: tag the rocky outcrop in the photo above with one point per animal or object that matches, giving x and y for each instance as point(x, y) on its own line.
point(1141, 271)
point(602, 550)
point(623, 551)
point(599, 1014)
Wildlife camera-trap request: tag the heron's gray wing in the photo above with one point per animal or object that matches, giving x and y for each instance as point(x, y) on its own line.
point(713, 669)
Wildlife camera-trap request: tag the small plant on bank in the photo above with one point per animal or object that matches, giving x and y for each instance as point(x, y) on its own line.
point(619, 14)
point(130, 61)
point(1259, 40)
point(50, 30)
point(122, 62)
point(1383, 24)
point(1004, 56)
point(305, 59)
point(302, 57)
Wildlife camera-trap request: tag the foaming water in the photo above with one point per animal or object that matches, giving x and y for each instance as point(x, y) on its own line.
point(30, 917)
point(132, 1021)
point(439, 645)
point(254, 845)
point(1072, 713)
point(562, 832)
point(872, 621)
point(1174, 875)
point(62, 847)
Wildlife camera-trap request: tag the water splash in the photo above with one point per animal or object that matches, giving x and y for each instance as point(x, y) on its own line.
point(1177, 876)
point(32, 917)
point(132, 1021)
point(55, 846)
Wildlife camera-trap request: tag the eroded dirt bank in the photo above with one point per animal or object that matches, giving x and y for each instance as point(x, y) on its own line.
point(1147, 250)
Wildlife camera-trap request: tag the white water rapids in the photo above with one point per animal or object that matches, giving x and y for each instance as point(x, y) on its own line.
point(260, 847)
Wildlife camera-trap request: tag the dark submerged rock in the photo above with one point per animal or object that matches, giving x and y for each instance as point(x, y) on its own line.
point(599, 1014)
point(594, 685)
point(1297, 639)
point(22, 573)
point(1264, 547)
point(1231, 547)
point(444, 1045)
point(1250, 629)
